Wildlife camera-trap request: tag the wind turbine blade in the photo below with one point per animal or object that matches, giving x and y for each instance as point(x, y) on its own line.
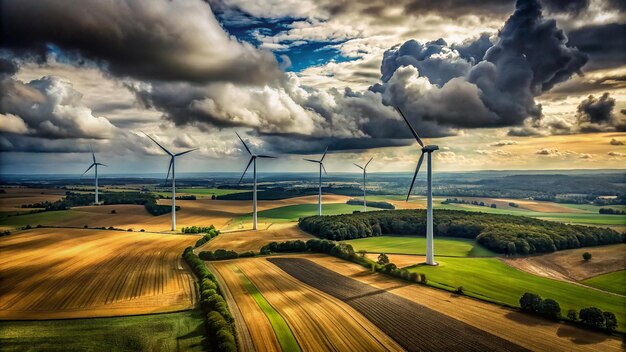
point(311, 160)
point(266, 156)
point(169, 169)
point(244, 144)
point(244, 171)
point(323, 168)
point(323, 156)
point(359, 166)
point(411, 128)
point(368, 162)
point(102, 164)
point(191, 150)
point(417, 169)
point(92, 154)
point(90, 166)
point(157, 143)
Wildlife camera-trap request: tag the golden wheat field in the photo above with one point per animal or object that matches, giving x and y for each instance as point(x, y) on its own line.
point(511, 325)
point(71, 273)
point(242, 241)
point(14, 197)
point(318, 321)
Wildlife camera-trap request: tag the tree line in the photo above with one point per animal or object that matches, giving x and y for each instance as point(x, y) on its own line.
point(379, 205)
point(508, 234)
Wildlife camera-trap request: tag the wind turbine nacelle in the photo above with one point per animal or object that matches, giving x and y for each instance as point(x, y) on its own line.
point(430, 148)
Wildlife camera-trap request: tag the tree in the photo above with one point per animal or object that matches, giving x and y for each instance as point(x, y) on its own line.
point(610, 321)
point(572, 315)
point(592, 316)
point(362, 253)
point(383, 259)
point(586, 256)
point(389, 267)
point(530, 302)
point(550, 308)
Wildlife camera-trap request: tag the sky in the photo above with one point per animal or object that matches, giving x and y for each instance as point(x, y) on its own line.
point(496, 84)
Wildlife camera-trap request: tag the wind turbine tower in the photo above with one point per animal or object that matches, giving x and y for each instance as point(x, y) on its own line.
point(319, 196)
point(426, 149)
point(364, 168)
point(94, 164)
point(172, 168)
point(253, 158)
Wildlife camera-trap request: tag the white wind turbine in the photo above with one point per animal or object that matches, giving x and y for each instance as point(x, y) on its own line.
point(254, 198)
point(172, 168)
point(426, 149)
point(364, 168)
point(96, 164)
point(319, 196)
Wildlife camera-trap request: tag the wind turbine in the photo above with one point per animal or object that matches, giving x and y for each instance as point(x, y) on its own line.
point(252, 159)
point(319, 196)
point(426, 149)
point(364, 168)
point(172, 168)
point(95, 163)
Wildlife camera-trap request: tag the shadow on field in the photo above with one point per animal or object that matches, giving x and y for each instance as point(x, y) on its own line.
point(197, 332)
point(528, 319)
point(579, 336)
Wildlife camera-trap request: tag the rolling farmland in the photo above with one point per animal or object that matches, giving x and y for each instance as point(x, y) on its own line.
point(71, 273)
point(452, 247)
point(317, 320)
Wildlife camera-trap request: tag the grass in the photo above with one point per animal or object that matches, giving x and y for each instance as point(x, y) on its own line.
point(181, 331)
point(491, 280)
point(613, 282)
point(294, 212)
point(283, 333)
point(42, 218)
point(453, 247)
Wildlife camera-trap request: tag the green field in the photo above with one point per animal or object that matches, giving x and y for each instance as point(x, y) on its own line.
point(43, 218)
point(283, 333)
point(492, 280)
point(159, 332)
point(612, 282)
point(446, 246)
point(294, 212)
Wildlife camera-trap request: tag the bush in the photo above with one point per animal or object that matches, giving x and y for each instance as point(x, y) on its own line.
point(383, 259)
point(572, 315)
point(389, 267)
point(550, 308)
point(247, 254)
point(142, 230)
point(265, 250)
point(459, 290)
point(586, 256)
point(592, 317)
point(530, 302)
point(415, 277)
point(610, 321)
point(85, 226)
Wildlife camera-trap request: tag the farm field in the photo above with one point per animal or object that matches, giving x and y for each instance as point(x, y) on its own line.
point(12, 200)
point(74, 273)
point(569, 264)
point(294, 212)
point(407, 322)
point(532, 332)
point(492, 280)
point(243, 241)
point(203, 192)
point(400, 260)
point(444, 246)
point(612, 282)
point(181, 331)
point(318, 321)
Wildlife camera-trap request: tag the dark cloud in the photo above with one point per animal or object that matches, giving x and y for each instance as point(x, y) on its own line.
point(598, 111)
point(474, 50)
point(572, 7)
point(605, 44)
point(458, 8)
point(151, 40)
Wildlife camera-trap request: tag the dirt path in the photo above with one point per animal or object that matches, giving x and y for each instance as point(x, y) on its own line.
point(414, 326)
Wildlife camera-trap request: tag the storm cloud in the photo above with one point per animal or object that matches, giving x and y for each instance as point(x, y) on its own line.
point(140, 39)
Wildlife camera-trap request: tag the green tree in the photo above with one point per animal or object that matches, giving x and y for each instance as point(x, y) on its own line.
point(530, 302)
point(586, 256)
point(610, 321)
point(572, 315)
point(383, 259)
point(592, 316)
point(550, 308)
